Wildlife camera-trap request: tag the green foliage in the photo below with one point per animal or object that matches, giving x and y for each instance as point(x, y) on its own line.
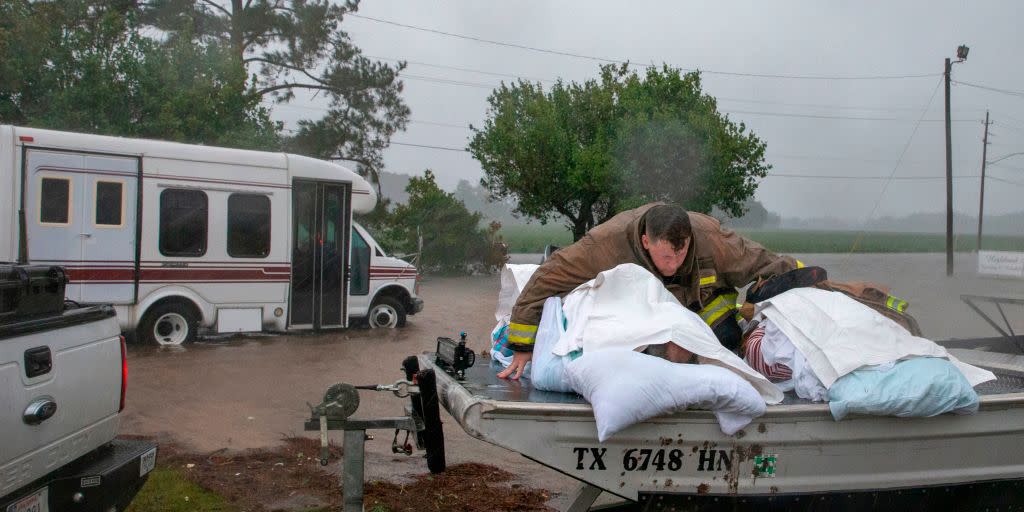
point(167, 490)
point(587, 151)
point(82, 65)
point(452, 240)
point(279, 47)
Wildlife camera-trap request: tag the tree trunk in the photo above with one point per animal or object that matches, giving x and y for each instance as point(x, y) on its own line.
point(583, 222)
point(238, 42)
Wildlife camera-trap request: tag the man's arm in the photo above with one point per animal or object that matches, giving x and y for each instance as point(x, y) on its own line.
point(560, 274)
point(563, 272)
point(740, 260)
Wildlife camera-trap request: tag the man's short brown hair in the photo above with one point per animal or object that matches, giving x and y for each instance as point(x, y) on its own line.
point(669, 223)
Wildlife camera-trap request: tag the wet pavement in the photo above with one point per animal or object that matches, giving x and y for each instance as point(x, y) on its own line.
point(250, 392)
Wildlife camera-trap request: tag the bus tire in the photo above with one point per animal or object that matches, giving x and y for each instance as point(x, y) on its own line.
point(170, 323)
point(386, 313)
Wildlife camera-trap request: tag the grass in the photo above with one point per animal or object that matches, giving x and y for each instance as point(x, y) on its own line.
point(533, 237)
point(167, 490)
point(875, 242)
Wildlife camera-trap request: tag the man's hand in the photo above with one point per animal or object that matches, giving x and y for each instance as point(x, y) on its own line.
point(515, 370)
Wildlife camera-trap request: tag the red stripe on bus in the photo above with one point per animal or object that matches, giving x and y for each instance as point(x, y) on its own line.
point(127, 274)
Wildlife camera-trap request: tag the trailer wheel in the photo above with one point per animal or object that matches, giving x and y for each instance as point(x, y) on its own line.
point(172, 323)
point(386, 312)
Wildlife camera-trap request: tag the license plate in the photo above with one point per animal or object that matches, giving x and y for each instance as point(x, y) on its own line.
point(35, 502)
point(147, 462)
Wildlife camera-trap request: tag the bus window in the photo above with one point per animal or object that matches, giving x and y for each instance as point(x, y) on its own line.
point(248, 226)
point(55, 201)
point(183, 222)
point(360, 278)
point(109, 203)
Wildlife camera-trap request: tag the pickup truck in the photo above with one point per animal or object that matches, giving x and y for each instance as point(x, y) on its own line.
point(63, 377)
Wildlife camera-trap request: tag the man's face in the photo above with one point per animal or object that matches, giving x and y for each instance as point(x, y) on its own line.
point(665, 257)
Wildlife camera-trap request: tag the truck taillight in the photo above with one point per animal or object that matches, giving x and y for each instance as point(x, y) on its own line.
point(124, 373)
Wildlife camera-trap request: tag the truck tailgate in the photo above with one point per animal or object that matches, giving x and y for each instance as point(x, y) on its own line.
point(84, 381)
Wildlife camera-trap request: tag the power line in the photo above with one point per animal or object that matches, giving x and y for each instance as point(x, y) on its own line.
point(319, 109)
point(851, 118)
point(1019, 94)
point(617, 61)
point(785, 156)
point(836, 107)
point(487, 41)
point(854, 177)
point(435, 123)
point(1019, 184)
point(448, 81)
point(1013, 118)
point(719, 98)
point(906, 147)
point(748, 112)
point(429, 146)
point(466, 70)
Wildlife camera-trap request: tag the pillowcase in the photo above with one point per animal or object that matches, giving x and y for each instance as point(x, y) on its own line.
point(918, 387)
point(626, 387)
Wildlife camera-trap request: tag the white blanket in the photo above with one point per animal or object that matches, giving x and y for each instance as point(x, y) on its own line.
point(627, 307)
point(838, 335)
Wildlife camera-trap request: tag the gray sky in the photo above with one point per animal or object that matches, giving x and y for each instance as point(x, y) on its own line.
point(794, 116)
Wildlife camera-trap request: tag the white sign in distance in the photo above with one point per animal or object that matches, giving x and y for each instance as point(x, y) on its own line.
point(1001, 263)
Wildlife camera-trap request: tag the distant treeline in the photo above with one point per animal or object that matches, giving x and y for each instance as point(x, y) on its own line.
point(757, 217)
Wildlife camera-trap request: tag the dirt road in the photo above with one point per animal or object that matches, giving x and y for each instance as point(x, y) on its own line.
point(250, 392)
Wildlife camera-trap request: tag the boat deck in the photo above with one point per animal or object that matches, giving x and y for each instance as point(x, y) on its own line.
point(481, 380)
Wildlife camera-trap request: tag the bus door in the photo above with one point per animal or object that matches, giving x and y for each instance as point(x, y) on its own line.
point(80, 213)
point(321, 220)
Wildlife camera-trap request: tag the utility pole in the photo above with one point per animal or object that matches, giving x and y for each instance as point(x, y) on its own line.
point(981, 202)
point(949, 179)
point(961, 55)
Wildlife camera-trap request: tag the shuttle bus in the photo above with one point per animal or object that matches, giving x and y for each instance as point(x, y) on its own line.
point(183, 237)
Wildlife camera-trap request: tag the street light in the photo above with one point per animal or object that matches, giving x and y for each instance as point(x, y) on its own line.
point(961, 55)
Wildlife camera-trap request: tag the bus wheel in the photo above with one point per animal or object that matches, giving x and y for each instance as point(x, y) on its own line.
point(387, 312)
point(173, 323)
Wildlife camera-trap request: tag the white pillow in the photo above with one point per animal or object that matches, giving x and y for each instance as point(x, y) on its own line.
point(626, 387)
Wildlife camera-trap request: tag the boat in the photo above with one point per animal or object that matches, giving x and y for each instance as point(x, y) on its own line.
point(794, 457)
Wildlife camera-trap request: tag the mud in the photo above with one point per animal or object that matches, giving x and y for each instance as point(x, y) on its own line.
point(289, 477)
point(250, 392)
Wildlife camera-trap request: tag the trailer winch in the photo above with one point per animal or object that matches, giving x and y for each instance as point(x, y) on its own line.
point(422, 417)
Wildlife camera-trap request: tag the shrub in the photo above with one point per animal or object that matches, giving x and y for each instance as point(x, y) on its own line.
point(453, 242)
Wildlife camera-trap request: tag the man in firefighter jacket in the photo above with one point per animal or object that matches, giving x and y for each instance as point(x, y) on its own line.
point(700, 263)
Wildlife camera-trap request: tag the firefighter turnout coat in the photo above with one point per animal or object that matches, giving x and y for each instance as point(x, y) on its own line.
point(717, 263)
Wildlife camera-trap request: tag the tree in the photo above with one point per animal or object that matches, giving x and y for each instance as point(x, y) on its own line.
point(453, 242)
point(755, 216)
point(587, 151)
point(82, 65)
point(279, 47)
